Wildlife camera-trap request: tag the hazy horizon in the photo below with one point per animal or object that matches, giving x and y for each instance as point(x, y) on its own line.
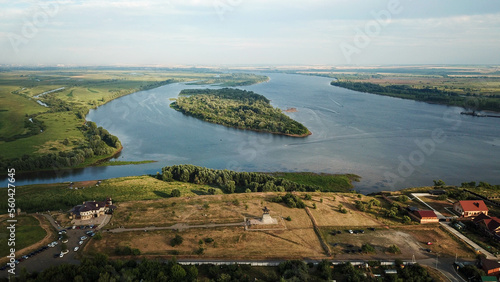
point(249, 33)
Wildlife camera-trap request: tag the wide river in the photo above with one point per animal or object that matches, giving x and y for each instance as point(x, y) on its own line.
point(391, 143)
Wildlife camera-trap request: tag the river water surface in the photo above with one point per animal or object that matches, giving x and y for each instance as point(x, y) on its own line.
point(391, 143)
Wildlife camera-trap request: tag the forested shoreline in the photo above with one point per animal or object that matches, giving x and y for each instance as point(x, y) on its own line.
point(236, 182)
point(429, 95)
point(98, 142)
point(239, 109)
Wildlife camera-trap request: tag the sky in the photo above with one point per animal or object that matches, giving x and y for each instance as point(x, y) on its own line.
point(249, 32)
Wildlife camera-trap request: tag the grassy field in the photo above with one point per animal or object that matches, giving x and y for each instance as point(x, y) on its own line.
point(59, 196)
point(78, 90)
point(28, 232)
point(328, 182)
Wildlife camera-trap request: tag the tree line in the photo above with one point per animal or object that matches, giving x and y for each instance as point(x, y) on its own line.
point(98, 142)
point(237, 108)
point(100, 268)
point(232, 181)
point(426, 94)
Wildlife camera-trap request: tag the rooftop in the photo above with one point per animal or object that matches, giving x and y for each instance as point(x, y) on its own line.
point(473, 205)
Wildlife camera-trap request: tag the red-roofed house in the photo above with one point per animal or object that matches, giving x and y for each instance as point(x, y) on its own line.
point(470, 208)
point(491, 225)
point(491, 267)
point(426, 216)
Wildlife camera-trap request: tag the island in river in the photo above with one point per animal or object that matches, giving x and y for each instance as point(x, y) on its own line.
point(239, 109)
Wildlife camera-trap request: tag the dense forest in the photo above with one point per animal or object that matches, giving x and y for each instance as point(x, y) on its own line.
point(232, 181)
point(237, 108)
point(428, 94)
point(98, 142)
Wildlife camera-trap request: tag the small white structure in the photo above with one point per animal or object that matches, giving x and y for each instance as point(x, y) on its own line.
point(266, 217)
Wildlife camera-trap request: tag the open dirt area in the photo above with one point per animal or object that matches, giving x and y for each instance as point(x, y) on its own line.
point(234, 242)
point(442, 242)
point(297, 241)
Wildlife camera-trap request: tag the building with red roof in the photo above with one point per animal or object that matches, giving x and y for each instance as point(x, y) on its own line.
point(470, 208)
point(426, 216)
point(489, 224)
point(491, 267)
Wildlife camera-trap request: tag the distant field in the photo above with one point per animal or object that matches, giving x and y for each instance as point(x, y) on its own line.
point(472, 87)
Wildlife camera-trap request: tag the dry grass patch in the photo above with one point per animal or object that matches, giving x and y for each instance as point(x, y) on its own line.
point(232, 243)
point(328, 214)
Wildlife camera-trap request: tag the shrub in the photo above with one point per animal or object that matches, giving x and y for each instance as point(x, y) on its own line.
point(403, 198)
point(200, 251)
point(367, 248)
point(208, 240)
point(177, 240)
point(175, 193)
point(393, 249)
point(307, 197)
point(288, 218)
point(442, 197)
point(406, 219)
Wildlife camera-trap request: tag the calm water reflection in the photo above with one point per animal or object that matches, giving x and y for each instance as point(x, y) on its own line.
point(387, 141)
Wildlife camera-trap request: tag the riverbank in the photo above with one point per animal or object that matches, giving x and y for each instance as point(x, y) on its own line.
point(52, 135)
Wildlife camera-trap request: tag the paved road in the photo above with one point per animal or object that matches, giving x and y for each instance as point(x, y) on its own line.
point(177, 226)
point(445, 266)
point(467, 240)
point(417, 195)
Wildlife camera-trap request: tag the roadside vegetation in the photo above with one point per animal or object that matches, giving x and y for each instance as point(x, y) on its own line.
point(239, 109)
point(100, 268)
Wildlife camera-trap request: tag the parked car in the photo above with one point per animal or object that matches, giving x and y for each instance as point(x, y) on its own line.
point(65, 241)
point(76, 248)
point(61, 255)
point(350, 231)
point(83, 238)
point(81, 242)
point(65, 252)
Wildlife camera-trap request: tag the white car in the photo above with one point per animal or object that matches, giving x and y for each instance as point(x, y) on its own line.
point(76, 248)
point(65, 241)
point(81, 242)
point(61, 255)
point(83, 238)
point(65, 252)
